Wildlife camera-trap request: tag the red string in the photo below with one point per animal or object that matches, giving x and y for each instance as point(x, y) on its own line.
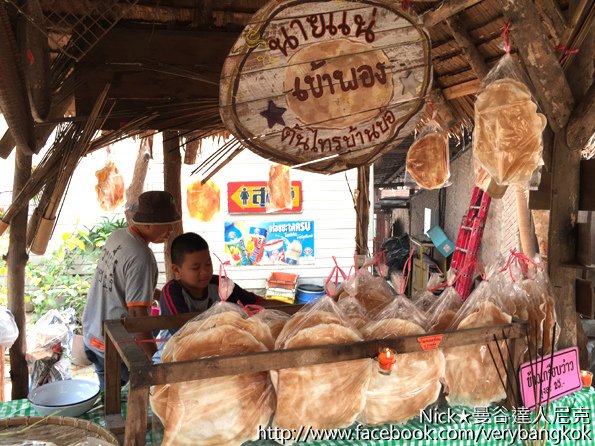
point(223, 287)
point(251, 309)
point(406, 272)
point(336, 271)
point(566, 52)
point(506, 37)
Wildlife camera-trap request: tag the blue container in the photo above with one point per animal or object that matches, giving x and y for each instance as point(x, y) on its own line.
point(308, 293)
point(441, 241)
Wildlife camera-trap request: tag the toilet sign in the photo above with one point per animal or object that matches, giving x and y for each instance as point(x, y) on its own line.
point(248, 197)
point(326, 85)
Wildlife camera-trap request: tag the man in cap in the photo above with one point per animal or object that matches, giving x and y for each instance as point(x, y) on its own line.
point(126, 276)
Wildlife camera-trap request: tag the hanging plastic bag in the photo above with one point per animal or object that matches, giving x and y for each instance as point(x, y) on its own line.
point(110, 187)
point(423, 300)
point(227, 410)
point(9, 331)
point(472, 371)
point(507, 139)
point(321, 396)
point(414, 382)
point(428, 157)
point(203, 200)
point(279, 189)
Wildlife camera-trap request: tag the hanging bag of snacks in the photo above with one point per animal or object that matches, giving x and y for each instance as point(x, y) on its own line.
point(428, 157)
point(507, 141)
point(110, 185)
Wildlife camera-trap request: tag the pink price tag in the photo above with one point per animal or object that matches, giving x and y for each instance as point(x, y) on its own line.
point(563, 373)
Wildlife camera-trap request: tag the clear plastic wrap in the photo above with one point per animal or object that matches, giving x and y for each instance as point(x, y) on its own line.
point(428, 157)
point(227, 410)
point(354, 310)
point(444, 309)
point(507, 138)
point(541, 312)
point(50, 330)
point(471, 378)
point(424, 300)
point(8, 328)
point(279, 189)
point(203, 200)
point(414, 382)
point(110, 187)
point(322, 396)
point(274, 319)
point(373, 293)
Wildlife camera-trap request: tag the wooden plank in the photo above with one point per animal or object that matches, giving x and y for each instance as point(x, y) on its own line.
point(470, 51)
point(137, 414)
point(587, 185)
point(456, 91)
point(581, 125)
point(16, 263)
point(126, 344)
point(552, 18)
point(445, 10)
point(113, 362)
point(562, 236)
point(540, 60)
point(299, 357)
point(172, 169)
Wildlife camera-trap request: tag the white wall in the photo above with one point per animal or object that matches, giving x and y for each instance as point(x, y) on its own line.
point(326, 201)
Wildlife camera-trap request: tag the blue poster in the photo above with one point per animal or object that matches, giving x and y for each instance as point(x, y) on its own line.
point(269, 243)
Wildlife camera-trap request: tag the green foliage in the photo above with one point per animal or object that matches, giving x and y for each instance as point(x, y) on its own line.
point(63, 279)
point(3, 288)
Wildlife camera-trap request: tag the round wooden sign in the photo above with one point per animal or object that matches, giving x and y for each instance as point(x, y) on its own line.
point(325, 85)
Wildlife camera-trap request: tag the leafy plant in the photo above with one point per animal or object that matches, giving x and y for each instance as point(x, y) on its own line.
point(63, 279)
point(3, 288)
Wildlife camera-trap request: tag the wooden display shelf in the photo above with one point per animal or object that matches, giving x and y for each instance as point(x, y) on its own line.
point(121, 346)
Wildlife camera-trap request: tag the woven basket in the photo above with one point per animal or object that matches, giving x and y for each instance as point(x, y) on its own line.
point(63, 431)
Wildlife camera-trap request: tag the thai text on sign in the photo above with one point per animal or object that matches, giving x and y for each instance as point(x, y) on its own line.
point(549, 378)
point(327, 83)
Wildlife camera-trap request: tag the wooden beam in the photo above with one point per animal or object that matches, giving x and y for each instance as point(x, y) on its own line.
point(172, 168)
point(445, 10)
point(470, 51)
point(444, 113)
point(16, 263)
point(552, 18)
point(582, 121)
point(203, 13)
point(456, 91)
point(540, 60)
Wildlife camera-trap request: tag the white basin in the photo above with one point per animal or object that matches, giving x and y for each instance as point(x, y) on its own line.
point(68, 398)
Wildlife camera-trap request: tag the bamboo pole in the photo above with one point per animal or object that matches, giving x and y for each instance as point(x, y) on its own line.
point(16, 262)
point(526, 233)
point(172, 166)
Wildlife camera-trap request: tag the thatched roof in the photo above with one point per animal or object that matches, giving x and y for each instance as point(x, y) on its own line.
point(465, 34)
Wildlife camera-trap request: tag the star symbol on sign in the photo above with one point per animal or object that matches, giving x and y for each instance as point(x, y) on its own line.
point(464, 417)
point(409, 84)
point(273, 114)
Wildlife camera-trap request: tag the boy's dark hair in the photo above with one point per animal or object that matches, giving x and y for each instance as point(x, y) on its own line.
point(186, 244)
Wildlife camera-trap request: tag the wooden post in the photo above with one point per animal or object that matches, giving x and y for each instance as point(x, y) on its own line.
point(362, 210)
point(2, 383)
point(540, 60)
point(445, 10)
point(172, 167)
point(16, 262)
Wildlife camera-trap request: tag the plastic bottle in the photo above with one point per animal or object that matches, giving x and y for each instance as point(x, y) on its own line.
point(235, 245)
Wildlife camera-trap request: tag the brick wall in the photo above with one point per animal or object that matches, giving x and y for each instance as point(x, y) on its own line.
point(501, 231)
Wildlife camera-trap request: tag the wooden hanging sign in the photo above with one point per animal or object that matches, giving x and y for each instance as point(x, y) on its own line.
point(330, 83)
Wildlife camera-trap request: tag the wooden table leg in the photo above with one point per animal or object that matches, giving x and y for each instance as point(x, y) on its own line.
point(113, 403)
point(137, 416)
